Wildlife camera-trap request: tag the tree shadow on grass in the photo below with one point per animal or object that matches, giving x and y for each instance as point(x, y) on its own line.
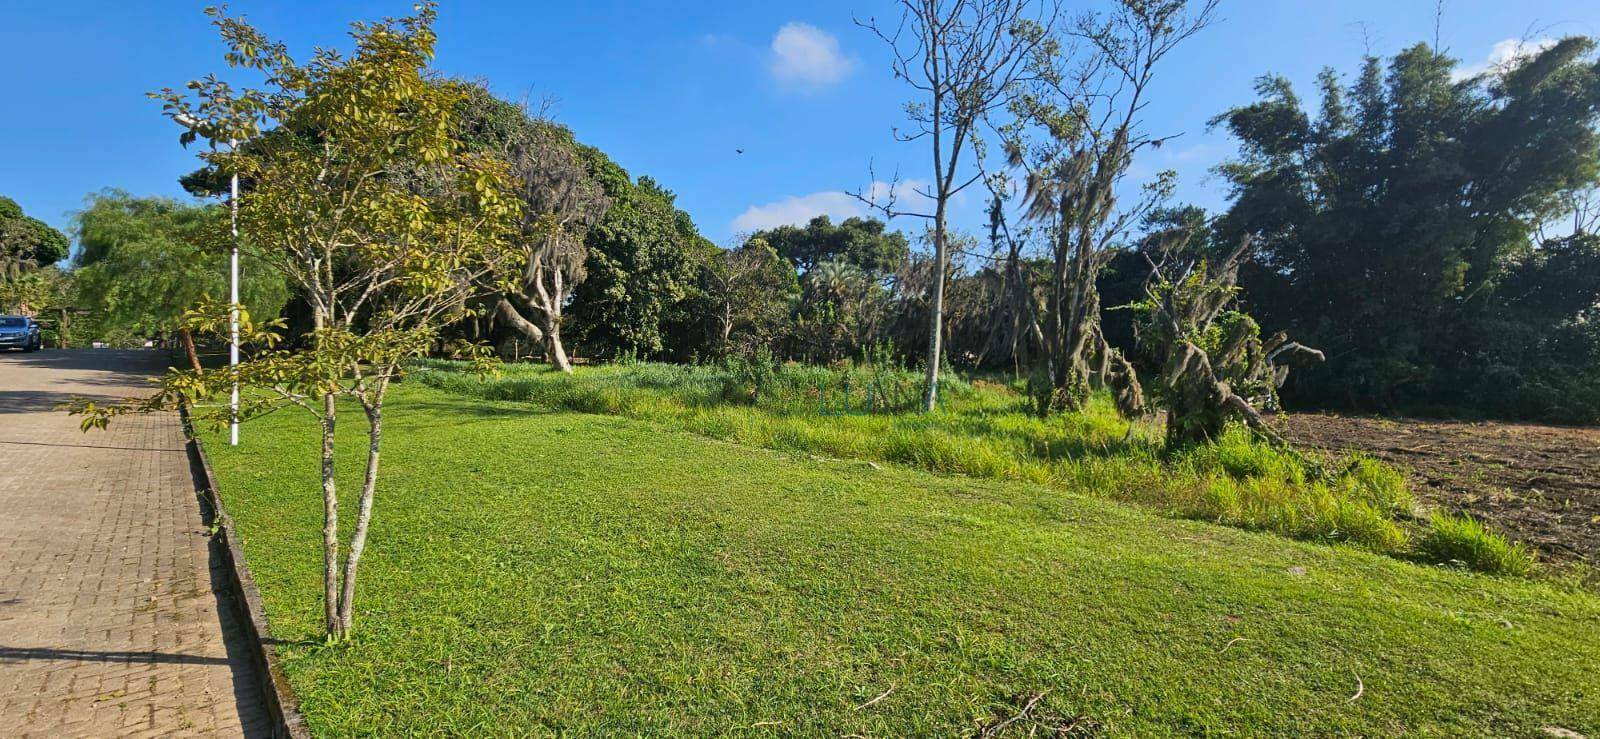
point(471, 408)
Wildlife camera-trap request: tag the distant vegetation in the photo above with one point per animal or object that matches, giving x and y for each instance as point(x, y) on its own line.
point(987, 429)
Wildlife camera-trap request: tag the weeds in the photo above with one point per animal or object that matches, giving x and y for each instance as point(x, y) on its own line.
point(1462, 541)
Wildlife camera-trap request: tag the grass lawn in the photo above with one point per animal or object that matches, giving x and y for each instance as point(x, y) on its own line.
point(541, 572)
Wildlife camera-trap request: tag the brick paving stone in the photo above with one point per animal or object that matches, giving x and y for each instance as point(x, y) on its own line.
point(114, 618)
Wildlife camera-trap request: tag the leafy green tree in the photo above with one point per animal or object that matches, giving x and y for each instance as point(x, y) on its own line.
point(749, 291)
point(142, 262)
point(36, 291)
point(645, 257)
point(26, 242)
point(382, 264)
point(1393, 218)
point(864, 242)
point(561, 201)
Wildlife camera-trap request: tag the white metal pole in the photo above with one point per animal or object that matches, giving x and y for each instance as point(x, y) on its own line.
point(233, 311)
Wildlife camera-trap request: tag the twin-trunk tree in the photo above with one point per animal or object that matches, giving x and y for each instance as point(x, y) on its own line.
point(382, 262)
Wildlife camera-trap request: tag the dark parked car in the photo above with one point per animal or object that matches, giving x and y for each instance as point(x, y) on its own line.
point(20, 332)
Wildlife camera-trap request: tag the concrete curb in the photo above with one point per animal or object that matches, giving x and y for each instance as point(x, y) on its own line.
point(282, 703)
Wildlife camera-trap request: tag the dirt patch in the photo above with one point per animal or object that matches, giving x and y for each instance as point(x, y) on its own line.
point(1539, 484)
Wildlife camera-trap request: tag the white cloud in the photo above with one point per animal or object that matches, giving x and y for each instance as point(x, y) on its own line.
point(807, 57)
point(796, 210)
point(1502, 54)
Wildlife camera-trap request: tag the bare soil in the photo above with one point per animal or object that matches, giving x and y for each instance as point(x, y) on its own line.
point(1538, 484)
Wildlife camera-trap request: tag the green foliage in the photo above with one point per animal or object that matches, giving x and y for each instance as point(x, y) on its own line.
point(36, 291)
point(1400, 230)
point(864, 243)
point(26, 242)
point(1463, 542)
point(382, 263)
point(144, 261)
point(580, 574)
point(645, 256)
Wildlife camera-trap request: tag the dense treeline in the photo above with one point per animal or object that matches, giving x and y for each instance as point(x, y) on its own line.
point(1419, 229)
point(1432, 234)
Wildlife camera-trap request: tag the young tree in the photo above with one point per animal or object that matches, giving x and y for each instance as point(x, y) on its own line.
point(381, 263)
point(1075, 132)
point(964, 59)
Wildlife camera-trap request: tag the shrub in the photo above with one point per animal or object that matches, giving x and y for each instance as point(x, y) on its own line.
point(1463, 542)
point(1379, 484)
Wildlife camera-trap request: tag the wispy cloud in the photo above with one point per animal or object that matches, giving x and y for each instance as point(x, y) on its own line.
point(808, 58)
point(1501, 55)
point(796, 210)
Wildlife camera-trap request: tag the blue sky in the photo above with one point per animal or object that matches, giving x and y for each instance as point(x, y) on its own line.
point(669, 89)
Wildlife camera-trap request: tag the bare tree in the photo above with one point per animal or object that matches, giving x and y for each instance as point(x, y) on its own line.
point(560, 202)
point(964, 58)
point(1075, 134)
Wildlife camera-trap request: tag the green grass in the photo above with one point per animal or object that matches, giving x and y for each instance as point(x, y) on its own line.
point(1462, 541)
point(540, 572)
point(984, 430)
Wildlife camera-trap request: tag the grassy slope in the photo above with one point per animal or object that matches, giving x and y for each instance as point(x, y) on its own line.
point(593, 574)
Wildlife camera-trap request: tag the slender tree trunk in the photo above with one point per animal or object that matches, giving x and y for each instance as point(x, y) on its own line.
point(358, 542)
point(188, 348)
point(936, 324)
point(330, 526)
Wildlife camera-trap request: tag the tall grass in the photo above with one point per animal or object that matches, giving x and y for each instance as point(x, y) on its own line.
point(982, 429)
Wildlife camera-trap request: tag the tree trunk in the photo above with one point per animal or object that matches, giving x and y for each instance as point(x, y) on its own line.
point(358, 542)
point(936, 324)
point(553, 347)
point(330, 527)
point(188, 348)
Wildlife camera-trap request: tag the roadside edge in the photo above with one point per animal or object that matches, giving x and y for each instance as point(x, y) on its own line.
point(282, 702)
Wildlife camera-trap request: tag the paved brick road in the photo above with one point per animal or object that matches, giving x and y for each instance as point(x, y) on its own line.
point(112, 612)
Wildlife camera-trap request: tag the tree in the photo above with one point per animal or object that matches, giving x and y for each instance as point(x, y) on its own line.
point(1214, 365)
point(750, 288)
point(964, 59)
point(561, 201)
point(864, 242)
point(1075, 133)
point(1391, 218)
point(35, 291)
point(645, 256)
point(26, 242)
point(382, 264)
point(143, 261)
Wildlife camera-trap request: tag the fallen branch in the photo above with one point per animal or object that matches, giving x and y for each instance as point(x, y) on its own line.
point(993, 730)
point(881, 696)
point(1361, 687)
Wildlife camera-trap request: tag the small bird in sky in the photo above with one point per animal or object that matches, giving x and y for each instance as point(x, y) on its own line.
point(738, 151)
